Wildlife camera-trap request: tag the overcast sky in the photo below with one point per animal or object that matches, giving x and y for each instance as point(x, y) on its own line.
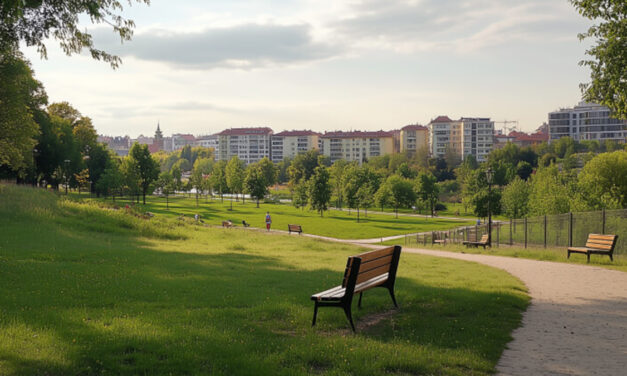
point(200, 66)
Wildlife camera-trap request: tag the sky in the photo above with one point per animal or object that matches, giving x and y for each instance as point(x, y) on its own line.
point(198, 66)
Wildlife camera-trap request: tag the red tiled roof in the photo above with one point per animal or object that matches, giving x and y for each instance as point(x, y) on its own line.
point(188, 137)
point(521, 136)
point(357, 134)
point(414, 127)
point(245, 131)
point(442, 119)
point(297, 133)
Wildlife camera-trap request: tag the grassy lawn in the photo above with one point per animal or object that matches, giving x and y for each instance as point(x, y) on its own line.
point(334, 223)
point(533, 253)
point(89, 290)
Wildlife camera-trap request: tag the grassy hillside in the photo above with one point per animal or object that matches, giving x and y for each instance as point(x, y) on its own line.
point(89, 290)
point(334, 223)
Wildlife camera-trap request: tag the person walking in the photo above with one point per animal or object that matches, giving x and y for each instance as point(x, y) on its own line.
point(268, 221)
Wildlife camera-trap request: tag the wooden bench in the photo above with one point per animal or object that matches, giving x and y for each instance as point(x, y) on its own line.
point(295, 228)
point(483, 242)
point(245, 224)
point(597, 245)
point(438, 238)
point(227, 224)
point(363, 272)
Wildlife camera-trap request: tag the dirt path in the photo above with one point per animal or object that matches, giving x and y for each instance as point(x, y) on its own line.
point(576, 323)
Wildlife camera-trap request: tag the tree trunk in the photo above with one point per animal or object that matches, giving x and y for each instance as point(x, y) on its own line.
point(196, 198)
point(396, 211)
point(257, 202)
point(167, 203)
point(358, 214)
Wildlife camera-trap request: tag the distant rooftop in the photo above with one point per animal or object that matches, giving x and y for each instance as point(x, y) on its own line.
point(357, 134)
point(294, 133)
point(414, 127)
point(245, 131)
point(442, 119)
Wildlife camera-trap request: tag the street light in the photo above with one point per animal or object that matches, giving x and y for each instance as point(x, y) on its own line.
point(67, 173)
point(488, 175)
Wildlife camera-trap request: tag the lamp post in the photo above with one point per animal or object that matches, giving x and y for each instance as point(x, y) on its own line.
point(90, 194)
point(488, 175)
point(67, 173)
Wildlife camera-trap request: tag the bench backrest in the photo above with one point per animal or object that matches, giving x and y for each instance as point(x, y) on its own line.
point(605, 242)
point(484, 239)
point(227, 223)
point(368, 265)
point(294, 227)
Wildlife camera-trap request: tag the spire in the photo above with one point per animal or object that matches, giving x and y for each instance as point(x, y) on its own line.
point(158, 133)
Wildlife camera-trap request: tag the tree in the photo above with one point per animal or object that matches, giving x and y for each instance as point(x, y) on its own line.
point(300, 193)
point(255, 181)
point(218, 178)
point(401, 192)
point(33, 22)
point(131, 177)
point(320, 190)
point(515, 198)
point(82, 179)
point(147, 169)
point(608, 66)
point(549, 192)
point(269, 171)
point(427, 190)
point(235, 176)
point(337, 179)
point(303, 166)
point(20, 96)
point(604, 180)
point(111, 180)
point(383, 197)
point(166, 185)
point(352, 180)
point(200, 172)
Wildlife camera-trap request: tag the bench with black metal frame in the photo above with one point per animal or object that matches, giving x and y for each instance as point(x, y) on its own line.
point(363, 272)
point(227, 224)
point(596, 245)
point(245, 224)
point(295, 228)
point(483, 242)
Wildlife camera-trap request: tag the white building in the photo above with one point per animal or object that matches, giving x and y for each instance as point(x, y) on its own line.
point(288, 144)
point(181, 140)
point(209, 141)
point(586, 121)
point(249, 144)
point(466, 136)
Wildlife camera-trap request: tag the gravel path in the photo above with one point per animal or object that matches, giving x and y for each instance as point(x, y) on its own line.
point(576, 323)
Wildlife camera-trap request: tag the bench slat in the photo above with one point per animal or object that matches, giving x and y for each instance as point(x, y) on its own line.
point(368, 256)
point(601, 241)
point(372, 273)
point(601, 237)
point(371, 283)
point(387, 260)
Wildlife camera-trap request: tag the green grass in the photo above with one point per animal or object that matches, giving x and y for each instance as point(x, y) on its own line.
point(89, 290)
point(533, 253)
point(334, 223)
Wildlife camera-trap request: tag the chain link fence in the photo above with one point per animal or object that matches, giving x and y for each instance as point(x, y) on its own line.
point(554, 231)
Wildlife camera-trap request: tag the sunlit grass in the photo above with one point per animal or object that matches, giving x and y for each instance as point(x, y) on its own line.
point(90, 290)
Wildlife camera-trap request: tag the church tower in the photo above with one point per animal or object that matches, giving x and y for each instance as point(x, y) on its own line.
point(158, 137)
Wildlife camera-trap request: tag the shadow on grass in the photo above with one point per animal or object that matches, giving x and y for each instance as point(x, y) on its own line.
point(113, 303)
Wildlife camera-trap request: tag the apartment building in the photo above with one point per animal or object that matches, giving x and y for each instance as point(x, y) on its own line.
point(586, 121)
point(288, 144)
point(414, 137)
point(209, 141)
point(477, 137)
point(356, 146)
point(466, 136)
point(179, 141)
point(249, 144)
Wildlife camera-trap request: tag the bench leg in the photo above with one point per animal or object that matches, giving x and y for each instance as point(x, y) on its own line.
point(315, 314)
point(588, 254)
point(393, 297)
point(347, 310)
point(568, 255)
point(611, 257)
point(360, 295)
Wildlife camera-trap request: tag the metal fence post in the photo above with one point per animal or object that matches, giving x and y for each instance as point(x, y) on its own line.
point(603, 222)
point(498, 234)
point(525, 232)
point(545, 231)
point(511, 238)
point(570, 229)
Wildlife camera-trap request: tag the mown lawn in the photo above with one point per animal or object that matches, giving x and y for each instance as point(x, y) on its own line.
point(533, 253)
point(87, 290)
point(334, 223)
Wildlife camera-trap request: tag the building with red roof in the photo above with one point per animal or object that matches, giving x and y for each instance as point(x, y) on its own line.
point(356, 145)
point(466, 136)
point(248, 144)
point(414, 137)
point(288, 144)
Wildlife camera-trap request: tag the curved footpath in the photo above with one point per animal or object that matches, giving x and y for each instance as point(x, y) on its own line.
point(576, 323)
